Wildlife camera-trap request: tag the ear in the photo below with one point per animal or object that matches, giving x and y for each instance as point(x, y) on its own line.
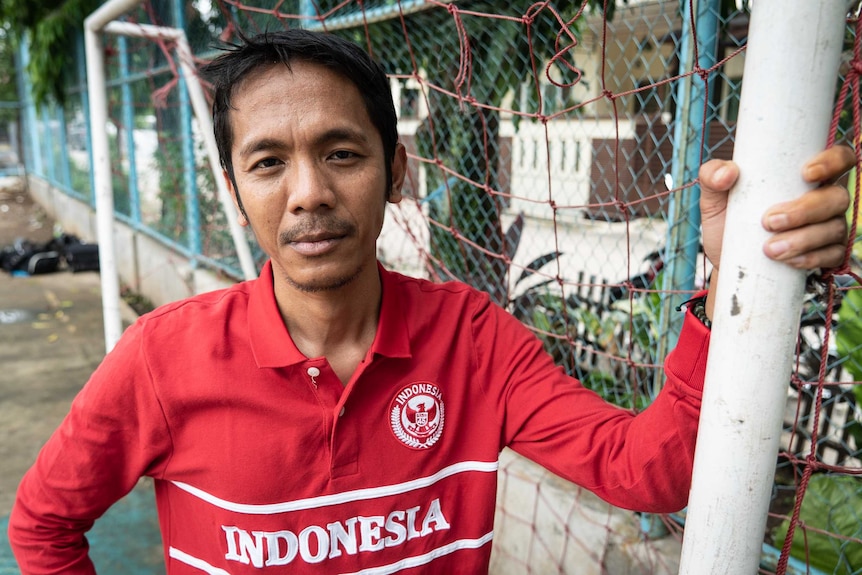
point(399, 173)
point(240, 216)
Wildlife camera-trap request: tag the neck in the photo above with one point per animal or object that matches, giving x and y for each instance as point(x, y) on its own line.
point(339, 324)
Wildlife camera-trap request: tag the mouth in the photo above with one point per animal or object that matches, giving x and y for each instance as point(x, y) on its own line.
point(316, 238)
point(315, 246)
point(314, 243)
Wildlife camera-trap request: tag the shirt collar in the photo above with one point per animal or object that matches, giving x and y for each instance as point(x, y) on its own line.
point(272, 345)
point(393, 334)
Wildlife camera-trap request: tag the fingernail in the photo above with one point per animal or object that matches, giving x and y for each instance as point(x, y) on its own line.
point(776, 221)
point(775, 249)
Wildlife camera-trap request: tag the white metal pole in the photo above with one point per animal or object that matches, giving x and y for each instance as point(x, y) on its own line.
point(104, 194)
point(111, 318)
point(790, 75)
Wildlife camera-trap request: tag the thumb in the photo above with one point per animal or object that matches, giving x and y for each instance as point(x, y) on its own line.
point(716, 179)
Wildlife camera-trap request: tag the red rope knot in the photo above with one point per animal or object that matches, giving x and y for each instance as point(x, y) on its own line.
point(703, 73)
point(530, 15)
point(465, 63)
point(553, 205)
point(608, 94)
point(542, 118)
point(856, 67)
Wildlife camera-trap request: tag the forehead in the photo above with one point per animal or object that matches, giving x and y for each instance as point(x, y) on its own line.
point(299, 92)
point(289, 107)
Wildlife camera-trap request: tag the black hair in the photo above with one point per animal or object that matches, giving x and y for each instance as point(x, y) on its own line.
point(342, 56)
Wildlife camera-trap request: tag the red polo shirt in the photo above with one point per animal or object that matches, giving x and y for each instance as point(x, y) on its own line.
point(265, 463)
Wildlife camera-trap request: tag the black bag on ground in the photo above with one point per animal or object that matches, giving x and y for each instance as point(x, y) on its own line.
point(82, 257)
point(79, 256)
point(17, 256)
point(32, 258)
point(43, 263)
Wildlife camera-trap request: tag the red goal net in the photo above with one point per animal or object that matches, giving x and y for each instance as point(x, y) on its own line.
point(553, 154)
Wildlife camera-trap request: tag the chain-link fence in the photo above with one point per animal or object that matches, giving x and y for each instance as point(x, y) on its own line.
point(553, 159)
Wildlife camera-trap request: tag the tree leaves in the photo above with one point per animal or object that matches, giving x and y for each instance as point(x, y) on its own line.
point(50, 27)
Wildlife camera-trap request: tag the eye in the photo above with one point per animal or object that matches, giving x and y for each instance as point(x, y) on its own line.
point(343, 155)
point(266, 163)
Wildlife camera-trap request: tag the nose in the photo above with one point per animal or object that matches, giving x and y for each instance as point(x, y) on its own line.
point(309, 188)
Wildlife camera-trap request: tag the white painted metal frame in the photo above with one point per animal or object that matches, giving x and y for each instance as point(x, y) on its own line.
point(103, 21)
point(790, 75)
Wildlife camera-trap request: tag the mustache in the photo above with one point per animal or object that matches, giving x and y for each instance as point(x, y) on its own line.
point(317, 226)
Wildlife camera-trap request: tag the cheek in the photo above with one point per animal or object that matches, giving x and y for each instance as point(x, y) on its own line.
point(263, 200)
point(264, 213)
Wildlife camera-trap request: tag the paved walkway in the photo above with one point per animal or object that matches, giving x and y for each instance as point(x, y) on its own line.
point(51, 340)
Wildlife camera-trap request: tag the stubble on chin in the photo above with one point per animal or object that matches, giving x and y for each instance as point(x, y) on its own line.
point(322, 285)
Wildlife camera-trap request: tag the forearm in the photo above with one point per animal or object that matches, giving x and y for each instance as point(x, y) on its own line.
point(114, 433)
point(43, 542)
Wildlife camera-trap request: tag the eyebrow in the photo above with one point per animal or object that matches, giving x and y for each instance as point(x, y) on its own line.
point(258, 145)
point(327, 137)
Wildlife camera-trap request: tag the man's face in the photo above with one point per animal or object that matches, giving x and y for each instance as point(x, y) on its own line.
point(311, 173)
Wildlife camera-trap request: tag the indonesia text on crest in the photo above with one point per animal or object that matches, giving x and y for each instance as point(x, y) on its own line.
point(417, 414)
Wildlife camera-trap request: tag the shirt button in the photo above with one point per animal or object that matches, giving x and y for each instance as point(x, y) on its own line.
point(313, 371)
point(340, 413)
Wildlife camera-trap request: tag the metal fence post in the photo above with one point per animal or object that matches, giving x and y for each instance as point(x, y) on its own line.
point(65, 171)
point(23, 107)
point(85, 108)
point(691, 126)
point(188, 147)
point(45, 143)
point(129, 121)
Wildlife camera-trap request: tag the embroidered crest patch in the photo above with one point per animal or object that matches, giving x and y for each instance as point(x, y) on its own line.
point(417, 414)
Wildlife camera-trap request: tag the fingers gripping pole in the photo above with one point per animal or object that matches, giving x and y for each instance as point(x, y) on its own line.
point(789, 86)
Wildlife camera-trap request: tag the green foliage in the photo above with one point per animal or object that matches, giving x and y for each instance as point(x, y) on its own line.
point(622, 329)
point(848, 339)
point(50, 27)
point(831, 505)
point(169, 162)
point(848, 332)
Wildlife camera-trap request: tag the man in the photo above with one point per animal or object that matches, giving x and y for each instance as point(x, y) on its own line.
point(335, 417)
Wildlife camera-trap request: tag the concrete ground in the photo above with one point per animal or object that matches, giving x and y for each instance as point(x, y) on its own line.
point(51, 340)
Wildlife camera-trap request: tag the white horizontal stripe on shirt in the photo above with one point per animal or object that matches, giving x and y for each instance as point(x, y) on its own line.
point(405, 563)
point(427, 557)
point(338, 498)
point(195, 562)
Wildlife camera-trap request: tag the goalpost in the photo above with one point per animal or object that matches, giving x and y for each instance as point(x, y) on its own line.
point(103, 21)
point(782, 122)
